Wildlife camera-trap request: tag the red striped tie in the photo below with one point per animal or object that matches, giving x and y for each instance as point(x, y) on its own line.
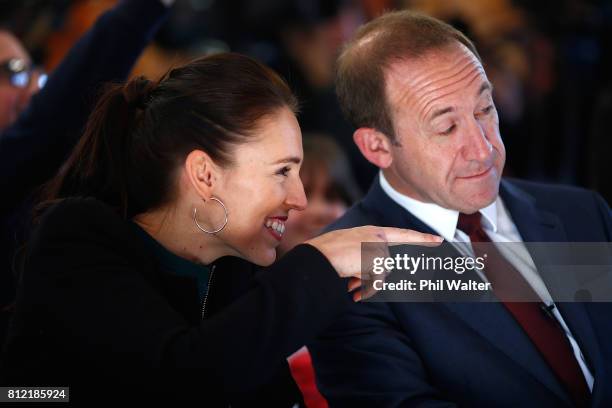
point(544, 331)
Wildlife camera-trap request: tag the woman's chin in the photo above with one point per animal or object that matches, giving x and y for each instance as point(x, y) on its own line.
point(263, 257)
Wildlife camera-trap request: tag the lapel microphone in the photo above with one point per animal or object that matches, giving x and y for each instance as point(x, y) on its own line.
point(548, 310)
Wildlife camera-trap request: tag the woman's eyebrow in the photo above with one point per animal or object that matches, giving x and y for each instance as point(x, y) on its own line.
point(290, 159)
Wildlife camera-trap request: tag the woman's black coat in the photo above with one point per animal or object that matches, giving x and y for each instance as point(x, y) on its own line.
point(95, 312)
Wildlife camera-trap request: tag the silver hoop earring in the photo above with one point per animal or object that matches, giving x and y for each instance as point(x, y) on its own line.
point(195, 211)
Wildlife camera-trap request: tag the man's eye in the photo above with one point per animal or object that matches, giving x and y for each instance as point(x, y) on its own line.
point(449, 130)
point(284, 171)
point(487, 110)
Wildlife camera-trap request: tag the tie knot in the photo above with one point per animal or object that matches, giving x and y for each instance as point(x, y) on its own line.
point(469, 223)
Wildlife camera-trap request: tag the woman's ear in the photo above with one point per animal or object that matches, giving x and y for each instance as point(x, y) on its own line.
point(375, 146)
point(201, 172)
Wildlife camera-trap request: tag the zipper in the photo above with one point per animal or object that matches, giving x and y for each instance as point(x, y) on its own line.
point(212, 272)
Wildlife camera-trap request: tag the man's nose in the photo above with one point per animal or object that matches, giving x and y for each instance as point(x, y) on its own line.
point(477, 145)
point(296, 197)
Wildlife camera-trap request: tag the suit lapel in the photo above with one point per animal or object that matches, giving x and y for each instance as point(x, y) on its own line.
point(491, 321)
point(536, 225)
point(388, 213)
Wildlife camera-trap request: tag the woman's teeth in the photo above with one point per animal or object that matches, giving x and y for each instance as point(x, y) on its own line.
point(276, 225)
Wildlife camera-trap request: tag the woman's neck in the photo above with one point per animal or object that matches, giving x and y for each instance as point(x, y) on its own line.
point(176, 232)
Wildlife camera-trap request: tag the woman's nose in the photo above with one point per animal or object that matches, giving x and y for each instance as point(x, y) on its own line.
point(296, 198)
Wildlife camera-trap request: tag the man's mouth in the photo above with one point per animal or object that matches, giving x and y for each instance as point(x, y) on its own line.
point(483, 173)
point(276, 226)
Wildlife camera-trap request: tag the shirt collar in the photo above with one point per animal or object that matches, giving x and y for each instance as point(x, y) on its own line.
point(440, 219)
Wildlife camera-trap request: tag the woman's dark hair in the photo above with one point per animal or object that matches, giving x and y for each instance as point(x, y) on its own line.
point(139, 132)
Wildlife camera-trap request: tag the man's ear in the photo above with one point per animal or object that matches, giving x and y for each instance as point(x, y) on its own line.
point(201, 172)
point(375, 146)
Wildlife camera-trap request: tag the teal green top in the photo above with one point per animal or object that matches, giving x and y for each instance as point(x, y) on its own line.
point(175, 264)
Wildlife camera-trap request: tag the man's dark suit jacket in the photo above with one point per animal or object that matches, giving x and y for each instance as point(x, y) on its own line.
point(465, 354)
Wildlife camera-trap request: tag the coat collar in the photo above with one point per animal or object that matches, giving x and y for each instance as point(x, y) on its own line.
point(443, 220)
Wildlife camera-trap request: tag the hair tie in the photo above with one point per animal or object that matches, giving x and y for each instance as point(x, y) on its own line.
point(138, 92)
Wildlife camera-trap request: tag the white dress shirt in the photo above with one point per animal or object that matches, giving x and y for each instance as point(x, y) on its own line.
point(498, 225)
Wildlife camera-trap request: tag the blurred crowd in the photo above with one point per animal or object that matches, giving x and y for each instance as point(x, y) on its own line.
point(547, 60)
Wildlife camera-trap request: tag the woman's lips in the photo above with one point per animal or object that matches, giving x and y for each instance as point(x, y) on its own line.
point(274, 234)
point(276, 226)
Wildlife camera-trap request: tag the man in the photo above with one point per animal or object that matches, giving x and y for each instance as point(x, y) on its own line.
point(416, 90)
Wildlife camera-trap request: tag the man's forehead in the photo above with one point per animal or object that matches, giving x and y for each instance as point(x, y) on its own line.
point(436, 69)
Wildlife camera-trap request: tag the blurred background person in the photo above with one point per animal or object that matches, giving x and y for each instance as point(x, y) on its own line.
point(38, 129)
point(329, 186)
point(18, 79)
point(548, 68)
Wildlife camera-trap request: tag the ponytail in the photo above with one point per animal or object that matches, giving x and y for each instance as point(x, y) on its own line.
point(140, 133)
point(98, 165)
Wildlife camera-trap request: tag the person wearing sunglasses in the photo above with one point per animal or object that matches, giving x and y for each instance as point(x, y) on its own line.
point(39, 127)
point(18, 80)
point(21, 75)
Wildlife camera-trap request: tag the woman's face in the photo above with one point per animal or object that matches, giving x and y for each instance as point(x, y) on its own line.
point(261, 188)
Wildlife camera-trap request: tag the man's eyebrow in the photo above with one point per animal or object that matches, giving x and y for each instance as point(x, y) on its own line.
point(441, 112)
point(290, 159)
point(484, 87)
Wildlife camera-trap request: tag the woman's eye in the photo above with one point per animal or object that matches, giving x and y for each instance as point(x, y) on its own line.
point(449, 130)
point(284, 171)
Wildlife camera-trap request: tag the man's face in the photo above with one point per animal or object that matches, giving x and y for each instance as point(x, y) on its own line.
point(13, 99)
point(450, 152)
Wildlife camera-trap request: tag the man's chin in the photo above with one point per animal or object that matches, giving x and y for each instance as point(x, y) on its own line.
point(472, 201)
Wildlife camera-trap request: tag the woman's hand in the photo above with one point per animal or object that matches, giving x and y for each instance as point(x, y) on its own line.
point(343, 249)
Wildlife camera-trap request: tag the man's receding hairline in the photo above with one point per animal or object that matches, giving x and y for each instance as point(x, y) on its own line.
point(368, 57)
point(436, 51)
point(359, 47)
point(369, 37)
point(366, 39)
point(389, 69)
point(362, 45)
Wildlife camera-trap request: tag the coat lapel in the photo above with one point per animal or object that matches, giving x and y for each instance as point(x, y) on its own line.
point(387, 213)
point(536, 225)
point(492, 321)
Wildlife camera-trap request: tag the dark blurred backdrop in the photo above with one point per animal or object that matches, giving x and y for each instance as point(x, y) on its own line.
point(549, 61)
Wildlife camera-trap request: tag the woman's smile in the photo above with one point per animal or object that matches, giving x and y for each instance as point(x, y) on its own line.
point(276, 226)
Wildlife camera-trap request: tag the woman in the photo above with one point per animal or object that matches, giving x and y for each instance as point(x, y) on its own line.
point(134, 287)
